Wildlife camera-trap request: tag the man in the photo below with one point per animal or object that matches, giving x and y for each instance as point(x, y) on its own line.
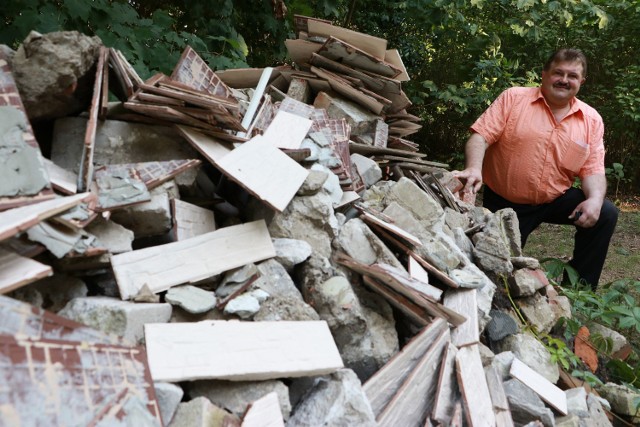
point(529, 146)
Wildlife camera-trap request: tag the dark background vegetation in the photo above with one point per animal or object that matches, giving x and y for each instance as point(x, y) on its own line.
point(459, 53)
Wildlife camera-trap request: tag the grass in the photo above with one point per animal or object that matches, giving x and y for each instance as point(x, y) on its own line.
point(623, 259)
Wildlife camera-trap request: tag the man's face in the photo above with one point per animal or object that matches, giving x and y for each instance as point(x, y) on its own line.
point(561, 82)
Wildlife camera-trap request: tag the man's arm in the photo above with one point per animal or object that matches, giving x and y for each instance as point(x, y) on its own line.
point(474, 156)
point(595, 189)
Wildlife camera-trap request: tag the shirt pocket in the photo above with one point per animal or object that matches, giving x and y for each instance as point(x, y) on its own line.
point(573, 157)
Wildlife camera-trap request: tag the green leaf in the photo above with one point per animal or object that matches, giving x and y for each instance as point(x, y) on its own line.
point(80, 9)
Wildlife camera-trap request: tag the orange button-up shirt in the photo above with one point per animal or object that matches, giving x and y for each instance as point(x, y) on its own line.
point(531, 158)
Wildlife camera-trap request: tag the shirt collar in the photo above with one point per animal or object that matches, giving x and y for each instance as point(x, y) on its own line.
point(575, 103)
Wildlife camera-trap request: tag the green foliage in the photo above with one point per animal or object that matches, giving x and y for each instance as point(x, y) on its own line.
point(624, 372)
point(561, 353)
point(587, 376)
point(615, 173)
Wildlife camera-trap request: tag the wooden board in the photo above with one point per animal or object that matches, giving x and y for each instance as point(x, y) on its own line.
point(211, 148)
point(393, 229)
point(373, 45)
point(240, 351)
point(416, 314)
point(19, 219)
point(340, 51)
point(264, 171)
point(542, 386)
point(242, 78)
point(351, 93)
point(392, 56)
point(300, 51)
point(17, 271)
point(465, 302)
point(447, 387)
point(416, 271)
point(473, 387)
point(498, 397)
point(287, 130)
point(61, 179)
point(367, 150)
point(64, 383)
point(264, 412)
point(161, 267)
point(413, 402)
point(384, 384)
point(190, 220)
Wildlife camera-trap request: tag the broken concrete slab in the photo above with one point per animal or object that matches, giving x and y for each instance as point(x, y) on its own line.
point(538, 312)
point(113, 236)
point(525, 282)
point(532, 352)
point(525, 405)
point(169, 397)
point(243, 306)
point(291, 252)
point(54, 292)
point(191, 298)
point(113, 316)
point(200, 412)
point(358, 241)
point(367, 168)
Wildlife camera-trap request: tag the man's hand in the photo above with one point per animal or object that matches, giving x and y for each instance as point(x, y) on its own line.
point(586, 214)
point(472, 179)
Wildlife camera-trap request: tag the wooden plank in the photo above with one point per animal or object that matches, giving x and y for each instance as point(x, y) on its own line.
point(373, 45)
point(104, 88)
point(498, 397)
point(474, 389)
point(414, 313)
point(19, 219)
point(465, 302)
point(542, 386)
point(300, 51)
point(240, 351)
point(190, 220)
point(121, 73)
point(287, 130)
point(264, 412)
point(369, 150)
point(416, 271)
point(264, 171)
point(56, 383)
point(61, 179)
point(393, 229)
point(163, 266)
point(392, 56)
point(447, 387)
point(17, 271)
point(340, 51)
point(242, 78)
point(384, 384)
point(210, 147)
point(351, 93)
point(301, 22)
point(413, 402)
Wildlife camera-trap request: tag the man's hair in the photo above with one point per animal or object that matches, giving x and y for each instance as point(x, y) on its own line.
point(567, 55)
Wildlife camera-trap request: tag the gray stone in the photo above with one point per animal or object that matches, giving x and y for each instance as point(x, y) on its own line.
point(113, 316)
point(23, 170)
point(423, 207)
point(168, 396)
point(501, 325)
point(454, 219)
point(467, 278)
point(532, 353)
point(525, 262)
point(359, 119)
point(275, 280)
point(200, 412)
point(313, 183)
point(243, 306)
point(486, 355)
point(597, 415)
point(492, 255)
point(570, 420)
point(331, 184)
point(525, 282)
point(538, 312)
point(502, 362)
point(358, 241)
point(622, 399)
point(577, 402)
point(525, 404)
point(235, 396)
point(336, 400)
point(362, 326)
point(504, 223)
point(152, 218)
point(463, 242)
point(235, 279)
point(291, 252)
point(285, 308)
point(618, 341)
point(317, 269)
point(367, 168)
point(120, 142)
point(561, 305)
point(49, 71)
point(191, 298)
point(309, 218)
point(111, 235)
point(61, 240)
point(484, 295)
point(321, 150)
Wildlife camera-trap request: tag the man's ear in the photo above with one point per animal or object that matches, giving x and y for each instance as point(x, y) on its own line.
point(583, 80)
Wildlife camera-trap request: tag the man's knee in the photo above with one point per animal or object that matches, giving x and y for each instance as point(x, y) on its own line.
point(608, 214)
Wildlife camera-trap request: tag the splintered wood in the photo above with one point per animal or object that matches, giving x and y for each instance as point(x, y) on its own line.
point(474, 389)
point(240, 351)
point(18, 271)
point(161, 267)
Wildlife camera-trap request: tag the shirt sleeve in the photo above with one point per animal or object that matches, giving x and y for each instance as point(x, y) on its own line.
point(594, 165)
point(492, 122)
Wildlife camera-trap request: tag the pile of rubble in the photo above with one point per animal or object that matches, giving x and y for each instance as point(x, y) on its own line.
point(256, 247)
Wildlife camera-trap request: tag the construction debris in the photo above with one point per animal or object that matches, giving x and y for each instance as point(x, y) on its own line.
point(286, 256)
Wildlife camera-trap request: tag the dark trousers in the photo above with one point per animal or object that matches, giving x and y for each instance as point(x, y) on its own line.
point(591, 244)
